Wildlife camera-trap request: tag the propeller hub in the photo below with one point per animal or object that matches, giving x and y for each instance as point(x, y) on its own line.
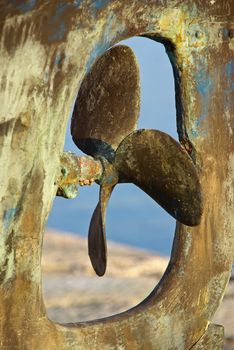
point(110, 176)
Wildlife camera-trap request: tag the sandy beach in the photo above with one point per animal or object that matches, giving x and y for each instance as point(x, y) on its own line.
point(74, 293)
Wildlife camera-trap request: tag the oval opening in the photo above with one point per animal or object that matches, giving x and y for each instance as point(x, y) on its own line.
point(143, 232)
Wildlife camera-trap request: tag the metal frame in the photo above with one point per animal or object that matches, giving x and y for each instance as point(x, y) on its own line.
point(46, 49)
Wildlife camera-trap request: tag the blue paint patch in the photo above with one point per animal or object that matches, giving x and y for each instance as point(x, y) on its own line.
point(8, 217)
point(99, 4)
point(225, 33)
point(230, 75)
point(204, 83)
point(59, 35)
point(58, 59)
point(200, 120)
point(205, 88)
point(24, 6)
point(197, 130)
point(46, 76)
point(193, 133)
point(110, 179)
point(230, 68)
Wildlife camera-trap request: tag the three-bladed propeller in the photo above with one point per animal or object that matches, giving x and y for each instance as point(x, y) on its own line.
point(103, 126)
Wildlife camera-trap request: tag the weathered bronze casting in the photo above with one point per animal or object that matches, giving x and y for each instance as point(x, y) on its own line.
point(49, 51)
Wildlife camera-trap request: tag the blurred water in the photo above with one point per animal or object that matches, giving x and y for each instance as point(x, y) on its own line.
point(132, 217)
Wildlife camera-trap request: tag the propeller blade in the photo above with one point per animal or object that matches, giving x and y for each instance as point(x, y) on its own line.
point(108, 103)
point(97, 232)
point(158, 164)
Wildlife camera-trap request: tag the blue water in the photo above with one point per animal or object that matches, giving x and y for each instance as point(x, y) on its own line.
point(132, 217)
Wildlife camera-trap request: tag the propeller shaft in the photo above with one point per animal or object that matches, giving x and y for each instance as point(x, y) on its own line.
point(74, 171)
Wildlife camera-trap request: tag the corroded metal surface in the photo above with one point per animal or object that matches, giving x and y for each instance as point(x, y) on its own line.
point(47, 47)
